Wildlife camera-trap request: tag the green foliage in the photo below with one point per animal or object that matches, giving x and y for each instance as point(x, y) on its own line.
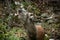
point(46, 38)
point(53, 25)
point(3, 30)
point(31, 7)
point(12, 33)
point(26, 4)
point(13, 6)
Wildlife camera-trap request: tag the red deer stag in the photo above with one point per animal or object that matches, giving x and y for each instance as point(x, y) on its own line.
point(35, 32)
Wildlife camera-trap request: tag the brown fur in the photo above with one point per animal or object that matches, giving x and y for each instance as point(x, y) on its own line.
point(40, 33)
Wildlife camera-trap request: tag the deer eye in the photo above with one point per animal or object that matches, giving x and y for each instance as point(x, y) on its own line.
point(31, 15)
